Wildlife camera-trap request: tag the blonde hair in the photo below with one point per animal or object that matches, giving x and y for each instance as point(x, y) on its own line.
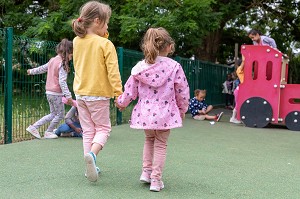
point(64, 49)
point(154, 41)
point(198, 91)
point(88, 12)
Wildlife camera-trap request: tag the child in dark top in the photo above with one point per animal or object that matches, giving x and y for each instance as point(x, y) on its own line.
point(228, 91)
point(71, 127)
point(199, 109)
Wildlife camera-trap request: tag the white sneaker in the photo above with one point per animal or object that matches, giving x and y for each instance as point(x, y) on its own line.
point(91, 170)
point(219, 116)
point(235, 121)
point(33, 131)
point(49, 135)
point(98, 170)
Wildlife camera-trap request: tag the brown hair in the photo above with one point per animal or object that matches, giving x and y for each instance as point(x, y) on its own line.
point(198, 91)
point(88, 12)
point(155, 40)
point(64, 49)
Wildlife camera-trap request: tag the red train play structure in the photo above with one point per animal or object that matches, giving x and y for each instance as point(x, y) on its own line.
point(265, 96)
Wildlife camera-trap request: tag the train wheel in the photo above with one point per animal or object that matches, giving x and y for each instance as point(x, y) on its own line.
point(292, 121)
point(256, 112)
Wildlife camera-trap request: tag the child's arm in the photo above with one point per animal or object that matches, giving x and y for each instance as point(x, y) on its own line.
point(182, 91)
point(270, 41)
point(242, 64)
point(111, 62)
point(39, 70)
point(62, 79)
point(130, 92)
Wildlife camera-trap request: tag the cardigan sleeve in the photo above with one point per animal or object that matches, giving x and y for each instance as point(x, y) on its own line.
point(111, 62)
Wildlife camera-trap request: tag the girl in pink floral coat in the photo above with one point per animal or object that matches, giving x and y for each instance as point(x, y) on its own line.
point(162, 90)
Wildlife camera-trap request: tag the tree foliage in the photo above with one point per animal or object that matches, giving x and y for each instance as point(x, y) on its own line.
point(207, 29)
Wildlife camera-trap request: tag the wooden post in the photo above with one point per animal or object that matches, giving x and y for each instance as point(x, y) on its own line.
point(236, 52)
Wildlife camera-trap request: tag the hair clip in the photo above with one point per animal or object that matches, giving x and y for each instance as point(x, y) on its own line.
point(79, 19)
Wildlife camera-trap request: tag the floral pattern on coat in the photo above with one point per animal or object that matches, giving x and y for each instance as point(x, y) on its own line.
point(162, 91)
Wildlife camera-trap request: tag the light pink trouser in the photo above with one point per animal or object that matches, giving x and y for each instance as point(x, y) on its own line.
point(236, 94)
point(95, 122)
point(155, 148)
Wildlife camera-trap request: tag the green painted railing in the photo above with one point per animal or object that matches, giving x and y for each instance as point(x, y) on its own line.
point(22, 97)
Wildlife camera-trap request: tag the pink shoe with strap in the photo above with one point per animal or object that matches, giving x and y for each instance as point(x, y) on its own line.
point(156, 185)
point(33, 131)
point(145, 177)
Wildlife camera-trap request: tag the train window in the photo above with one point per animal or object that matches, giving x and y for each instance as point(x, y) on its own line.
point(254, 70)
point(294, 101)
point(269, 70)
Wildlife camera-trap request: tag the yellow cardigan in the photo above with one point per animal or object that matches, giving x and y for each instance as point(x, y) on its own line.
point(96, 67)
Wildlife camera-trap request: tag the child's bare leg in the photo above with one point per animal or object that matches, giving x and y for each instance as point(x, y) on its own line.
point(210, 117)
point(209, 108)
point(96, 148)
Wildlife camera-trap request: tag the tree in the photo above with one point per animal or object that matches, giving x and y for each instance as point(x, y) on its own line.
point(207, 29)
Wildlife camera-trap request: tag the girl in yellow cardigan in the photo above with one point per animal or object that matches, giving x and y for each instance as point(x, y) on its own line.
point(97, 79)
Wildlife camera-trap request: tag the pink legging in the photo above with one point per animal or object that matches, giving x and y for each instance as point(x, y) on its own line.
point(57, 112)
point(236, 94)
point(95, 122)
point(154, 154)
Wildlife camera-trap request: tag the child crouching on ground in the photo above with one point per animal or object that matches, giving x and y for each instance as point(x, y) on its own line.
point(71, 127)
point(199, 109)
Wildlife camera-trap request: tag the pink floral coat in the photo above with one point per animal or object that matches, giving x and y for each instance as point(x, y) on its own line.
point(163, 94)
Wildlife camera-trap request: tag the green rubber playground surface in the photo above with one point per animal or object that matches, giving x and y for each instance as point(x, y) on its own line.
point(203, 161)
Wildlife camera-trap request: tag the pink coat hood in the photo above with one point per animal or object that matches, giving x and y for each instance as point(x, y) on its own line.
point(155, 74)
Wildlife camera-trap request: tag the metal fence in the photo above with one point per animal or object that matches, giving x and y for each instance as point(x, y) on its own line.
point(2, 79)
point(205, 75)
point(23, 98)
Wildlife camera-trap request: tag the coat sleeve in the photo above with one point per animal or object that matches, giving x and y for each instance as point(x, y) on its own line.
point(130, 92)
point(182, 90)
point(39, 70)
point(62, 79)
point(111, 61)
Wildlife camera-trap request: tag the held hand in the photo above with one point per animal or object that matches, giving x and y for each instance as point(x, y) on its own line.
point(70, 101)
point(121, 108)
point(78, 130)
point(28, 72)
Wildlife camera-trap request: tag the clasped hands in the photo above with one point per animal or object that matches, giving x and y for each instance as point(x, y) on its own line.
point(121, 108)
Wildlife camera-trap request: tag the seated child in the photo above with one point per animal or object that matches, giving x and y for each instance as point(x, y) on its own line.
point(71, 127)
point(199, 109)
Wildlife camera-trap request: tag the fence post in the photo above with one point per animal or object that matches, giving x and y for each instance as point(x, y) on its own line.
point(8, 86)
point(120, 52)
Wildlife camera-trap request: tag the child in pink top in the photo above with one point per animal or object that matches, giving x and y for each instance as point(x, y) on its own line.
point(56, 87)
point(162, 90)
